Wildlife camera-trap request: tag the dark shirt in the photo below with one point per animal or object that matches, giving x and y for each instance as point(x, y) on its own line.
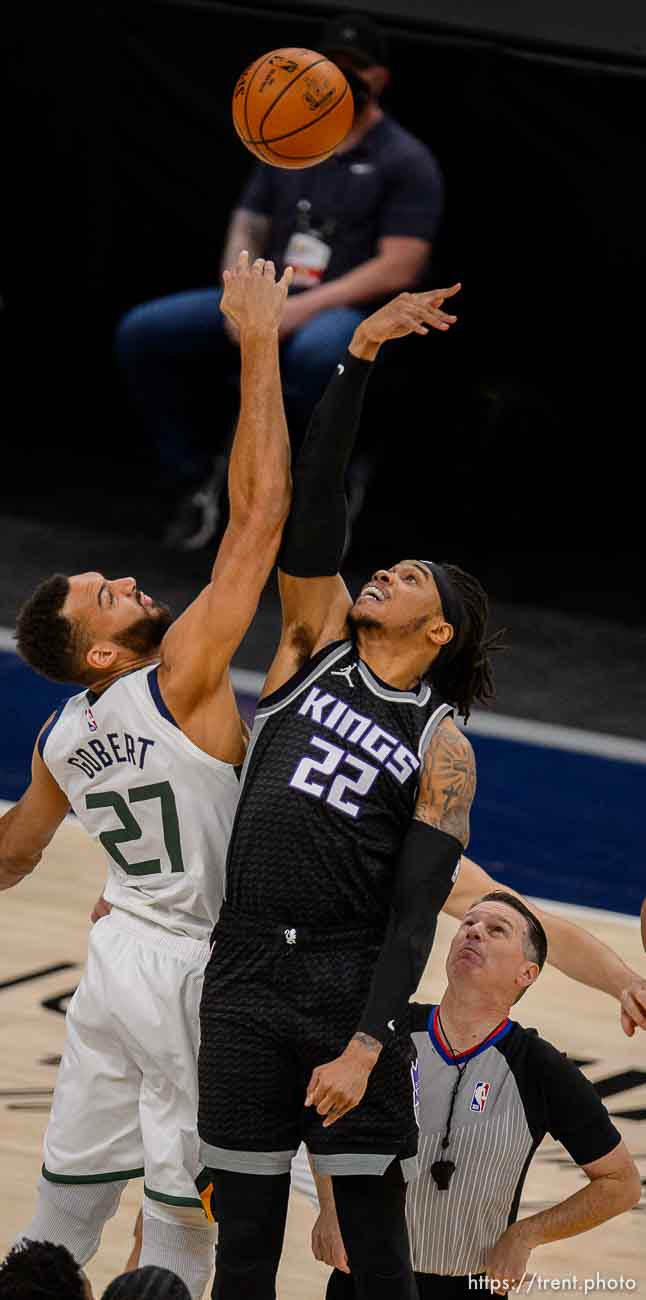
point(515, 1088)
point(390, 184)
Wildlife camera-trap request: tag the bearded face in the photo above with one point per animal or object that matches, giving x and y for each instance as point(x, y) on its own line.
point(146, 634)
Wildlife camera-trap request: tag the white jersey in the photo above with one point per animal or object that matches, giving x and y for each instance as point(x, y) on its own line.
point(161, 807)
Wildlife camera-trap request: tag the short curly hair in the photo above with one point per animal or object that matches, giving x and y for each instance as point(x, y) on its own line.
point(38, 1270)
point(51, 643)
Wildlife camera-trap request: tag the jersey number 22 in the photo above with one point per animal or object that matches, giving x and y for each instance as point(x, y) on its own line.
point(309, 770)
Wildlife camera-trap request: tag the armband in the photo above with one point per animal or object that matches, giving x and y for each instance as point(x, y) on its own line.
point(426, 871)
point(315, 533)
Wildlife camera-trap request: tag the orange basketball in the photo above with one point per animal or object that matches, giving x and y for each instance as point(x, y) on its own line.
point(292, 107)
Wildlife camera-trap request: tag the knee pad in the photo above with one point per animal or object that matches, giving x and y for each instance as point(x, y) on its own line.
point(73, 1215)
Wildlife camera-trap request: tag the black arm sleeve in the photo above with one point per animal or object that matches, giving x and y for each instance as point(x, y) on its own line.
point(314, 535)
point(574, 1113)
point(424, 877)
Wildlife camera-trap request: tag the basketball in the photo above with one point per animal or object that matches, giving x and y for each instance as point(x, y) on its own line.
point(292, 108)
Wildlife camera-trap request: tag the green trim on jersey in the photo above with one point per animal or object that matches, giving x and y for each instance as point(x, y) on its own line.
point(173, 1200)
point(122, 1176)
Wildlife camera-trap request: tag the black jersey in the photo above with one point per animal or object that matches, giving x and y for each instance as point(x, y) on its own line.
point(328, 789)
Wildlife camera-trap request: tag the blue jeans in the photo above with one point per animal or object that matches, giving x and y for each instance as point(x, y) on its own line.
point(182, 372)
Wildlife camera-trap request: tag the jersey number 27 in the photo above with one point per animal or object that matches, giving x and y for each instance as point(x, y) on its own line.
point(130, 830)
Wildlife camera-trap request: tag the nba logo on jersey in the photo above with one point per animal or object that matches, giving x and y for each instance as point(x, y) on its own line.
point(91, 720)
point(480, 1094)
point(414, 1076)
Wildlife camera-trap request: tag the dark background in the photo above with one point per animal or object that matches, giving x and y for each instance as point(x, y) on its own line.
point(514, 445)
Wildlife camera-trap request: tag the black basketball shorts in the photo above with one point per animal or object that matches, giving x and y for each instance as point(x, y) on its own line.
point(276, 1003)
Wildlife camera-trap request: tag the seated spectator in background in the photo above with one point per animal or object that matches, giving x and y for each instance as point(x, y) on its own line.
point(147, 1284)
point(38, 1270)
point(357, 228)
point(489, 1091)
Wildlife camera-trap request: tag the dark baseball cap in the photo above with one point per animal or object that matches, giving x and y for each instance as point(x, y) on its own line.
point(356, 35)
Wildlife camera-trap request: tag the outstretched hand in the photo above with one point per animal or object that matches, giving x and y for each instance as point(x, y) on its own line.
point(253, 299)
point(633, 1006)
point(408, 313)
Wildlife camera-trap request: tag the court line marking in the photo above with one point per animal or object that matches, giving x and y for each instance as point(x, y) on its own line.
point(581, 914)
point(499, 726)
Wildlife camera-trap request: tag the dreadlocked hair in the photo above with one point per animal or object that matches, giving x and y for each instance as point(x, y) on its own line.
point(48, 641)
point(464, 673)
point(148, 1283)
point(38, 1270)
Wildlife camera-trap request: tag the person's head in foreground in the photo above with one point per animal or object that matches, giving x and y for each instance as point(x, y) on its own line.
point(497, 953)
point(87, 628)
point(435, 615)
point(38, 1270)
point(147, 1284)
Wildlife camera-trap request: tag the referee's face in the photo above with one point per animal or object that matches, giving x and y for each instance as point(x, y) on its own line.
point(488, 954)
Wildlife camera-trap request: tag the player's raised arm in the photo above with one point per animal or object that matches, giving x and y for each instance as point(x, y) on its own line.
point(573, 950)
point(198, 647)
point(315, 600)
point(425, 873)
point(26, 830)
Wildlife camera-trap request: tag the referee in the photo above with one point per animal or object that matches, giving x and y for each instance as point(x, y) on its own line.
point(488, 1092)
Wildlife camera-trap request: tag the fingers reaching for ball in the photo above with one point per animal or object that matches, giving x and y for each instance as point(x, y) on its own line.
point(262, 266)
point(252, 297)
point(408, 313)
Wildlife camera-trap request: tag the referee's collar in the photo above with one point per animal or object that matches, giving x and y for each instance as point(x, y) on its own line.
point(435, 1035)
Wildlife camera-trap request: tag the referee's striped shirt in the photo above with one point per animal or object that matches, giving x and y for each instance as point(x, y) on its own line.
point(515, 1088)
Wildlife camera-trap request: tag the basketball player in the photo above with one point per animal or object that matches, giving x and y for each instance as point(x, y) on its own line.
point(571, 949)
point(147, 755)
point(353, 814)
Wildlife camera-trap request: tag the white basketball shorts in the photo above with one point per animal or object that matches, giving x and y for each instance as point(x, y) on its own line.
point(125, 1103)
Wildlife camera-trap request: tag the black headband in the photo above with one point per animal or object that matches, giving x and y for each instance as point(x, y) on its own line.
point(452, 608)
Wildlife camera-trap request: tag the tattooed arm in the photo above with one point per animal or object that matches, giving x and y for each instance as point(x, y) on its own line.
point(424, 874)
point(426, 870)
point(448, 783)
